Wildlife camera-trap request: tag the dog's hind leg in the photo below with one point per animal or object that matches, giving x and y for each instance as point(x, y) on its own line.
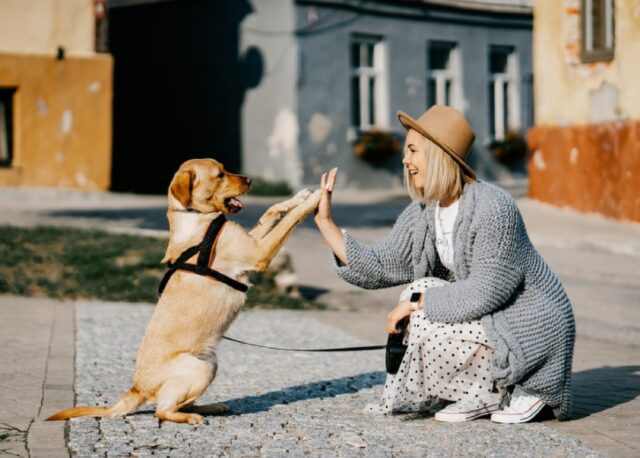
point(173, 395)
point(180, 417)
point(187, 378)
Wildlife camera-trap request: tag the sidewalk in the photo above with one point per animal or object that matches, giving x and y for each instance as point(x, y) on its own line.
point(36, 374)
point(297, 404)
point(597, 259)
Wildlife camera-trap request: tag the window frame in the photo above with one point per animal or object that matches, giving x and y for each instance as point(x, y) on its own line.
point(590, 54)
point(510, 77)
point(451, 74)
point(7, 97)
point(371, 84)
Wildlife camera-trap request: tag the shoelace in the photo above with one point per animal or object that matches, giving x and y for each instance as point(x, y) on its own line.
point(521, 399)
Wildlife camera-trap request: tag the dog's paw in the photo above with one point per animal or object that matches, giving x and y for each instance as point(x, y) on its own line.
point(302, 194)
point(195, 419)
point(314, 197)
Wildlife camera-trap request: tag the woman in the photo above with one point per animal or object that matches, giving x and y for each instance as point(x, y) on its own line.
point(492, 330)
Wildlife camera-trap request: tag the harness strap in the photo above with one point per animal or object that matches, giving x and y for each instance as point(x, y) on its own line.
point(210, 241)
point(206, 272)
point(205, 251)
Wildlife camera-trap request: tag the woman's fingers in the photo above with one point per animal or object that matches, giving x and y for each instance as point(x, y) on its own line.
point(332, 179)
point(391, 323)
point(323, 210)
point(399, 312)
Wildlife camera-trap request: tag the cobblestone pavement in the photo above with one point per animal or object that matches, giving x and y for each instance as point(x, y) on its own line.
point(282, 403)
point(596, 258)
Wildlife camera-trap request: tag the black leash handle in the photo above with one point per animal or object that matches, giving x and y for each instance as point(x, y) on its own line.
point(324, 350)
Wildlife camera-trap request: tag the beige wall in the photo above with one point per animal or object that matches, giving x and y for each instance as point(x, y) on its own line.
point(570, 92)
point(585, 147)
point(62, 120)
point(40, 26)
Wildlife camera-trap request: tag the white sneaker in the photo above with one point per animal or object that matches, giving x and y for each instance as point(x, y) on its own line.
point(524, 405)
point(466, 410)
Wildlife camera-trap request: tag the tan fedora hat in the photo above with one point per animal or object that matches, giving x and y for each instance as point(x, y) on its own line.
point(447, 128)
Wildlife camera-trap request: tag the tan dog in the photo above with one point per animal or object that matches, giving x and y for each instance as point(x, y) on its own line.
point(176, 361)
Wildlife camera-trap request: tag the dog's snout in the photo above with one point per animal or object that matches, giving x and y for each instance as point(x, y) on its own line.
point(248, 179)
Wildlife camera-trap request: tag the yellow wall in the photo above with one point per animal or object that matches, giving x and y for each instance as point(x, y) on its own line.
point(40, 26)
point(570, 92)
point(62, 115)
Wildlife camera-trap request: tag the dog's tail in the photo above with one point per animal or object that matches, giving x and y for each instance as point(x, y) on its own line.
point(128, 402)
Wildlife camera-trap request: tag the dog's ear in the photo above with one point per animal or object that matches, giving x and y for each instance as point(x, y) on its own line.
point(181, 186)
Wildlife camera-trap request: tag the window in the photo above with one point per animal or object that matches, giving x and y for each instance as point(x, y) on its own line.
point(6, 126)
point(504, 103)
point(597, 30)
point(443, 82)
point(369, 98)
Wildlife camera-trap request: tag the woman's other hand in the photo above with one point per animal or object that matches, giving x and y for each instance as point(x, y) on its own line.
point(395, 316)
point(324, 220)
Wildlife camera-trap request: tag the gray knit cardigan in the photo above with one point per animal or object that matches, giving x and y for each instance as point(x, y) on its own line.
point(498, 278)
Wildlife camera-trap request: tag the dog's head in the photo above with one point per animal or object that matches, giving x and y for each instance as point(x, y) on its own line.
point(204, 185)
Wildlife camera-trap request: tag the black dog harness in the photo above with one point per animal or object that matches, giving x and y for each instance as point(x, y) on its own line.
point(205, 258)
point(205, 252)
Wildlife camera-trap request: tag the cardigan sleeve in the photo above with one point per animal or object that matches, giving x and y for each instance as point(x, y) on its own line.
point(386, 262)
point(494, 274)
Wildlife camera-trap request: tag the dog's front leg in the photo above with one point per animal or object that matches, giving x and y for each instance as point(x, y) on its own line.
point(275, 212)
point(273, 241)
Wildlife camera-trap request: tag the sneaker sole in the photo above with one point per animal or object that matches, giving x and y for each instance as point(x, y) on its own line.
point(466, 416)
point(514, 418)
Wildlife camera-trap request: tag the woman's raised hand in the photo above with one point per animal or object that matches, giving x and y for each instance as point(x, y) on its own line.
point(330, 232)
point(323, 212)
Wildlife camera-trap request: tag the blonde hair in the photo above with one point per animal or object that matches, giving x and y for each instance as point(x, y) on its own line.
point(444, 178)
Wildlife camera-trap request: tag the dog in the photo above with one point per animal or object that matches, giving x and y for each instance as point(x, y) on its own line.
point(176, 361)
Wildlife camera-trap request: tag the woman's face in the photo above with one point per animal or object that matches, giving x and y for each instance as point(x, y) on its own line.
point(415, 158)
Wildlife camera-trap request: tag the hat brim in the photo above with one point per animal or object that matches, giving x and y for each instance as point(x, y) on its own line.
point(409, 123)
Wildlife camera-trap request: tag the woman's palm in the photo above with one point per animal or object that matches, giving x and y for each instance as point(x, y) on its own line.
point(327, 181)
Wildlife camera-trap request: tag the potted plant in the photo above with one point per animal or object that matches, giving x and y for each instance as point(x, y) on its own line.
point(376, 146)
point(510, 150)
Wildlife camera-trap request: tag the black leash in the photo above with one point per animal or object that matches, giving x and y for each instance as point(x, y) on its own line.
point(326, 350)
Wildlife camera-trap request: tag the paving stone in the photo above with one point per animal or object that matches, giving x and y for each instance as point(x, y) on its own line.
point(283, 404)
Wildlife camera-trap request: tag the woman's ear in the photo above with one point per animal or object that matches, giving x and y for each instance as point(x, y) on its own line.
point(181, 187)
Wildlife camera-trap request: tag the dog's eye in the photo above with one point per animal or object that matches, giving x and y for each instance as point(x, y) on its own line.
point(221, 174)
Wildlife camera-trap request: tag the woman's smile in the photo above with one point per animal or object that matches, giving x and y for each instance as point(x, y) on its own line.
point(415, 158)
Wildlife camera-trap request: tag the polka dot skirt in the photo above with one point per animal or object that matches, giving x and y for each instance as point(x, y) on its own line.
point(443, 362)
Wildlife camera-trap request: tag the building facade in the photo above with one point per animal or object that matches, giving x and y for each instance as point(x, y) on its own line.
point(334, 71)
point(55, 96)
point(586, 140)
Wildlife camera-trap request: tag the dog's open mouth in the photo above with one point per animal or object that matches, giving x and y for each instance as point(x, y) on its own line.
point(233, 204)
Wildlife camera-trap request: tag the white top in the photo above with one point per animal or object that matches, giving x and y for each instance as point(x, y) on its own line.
point(445, 219)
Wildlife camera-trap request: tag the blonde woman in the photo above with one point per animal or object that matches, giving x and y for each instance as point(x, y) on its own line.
point(491, 329)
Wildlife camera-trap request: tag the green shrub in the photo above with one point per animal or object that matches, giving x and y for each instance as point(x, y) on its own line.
point(262, 187)
point(77, 263)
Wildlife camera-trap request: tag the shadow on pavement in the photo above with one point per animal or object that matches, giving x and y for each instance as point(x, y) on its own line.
point(311, 292)
point(596, 390)
point(377, 215)
point(320, 389)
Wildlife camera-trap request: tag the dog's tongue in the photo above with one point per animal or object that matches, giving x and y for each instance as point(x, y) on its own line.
point(234, 204)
